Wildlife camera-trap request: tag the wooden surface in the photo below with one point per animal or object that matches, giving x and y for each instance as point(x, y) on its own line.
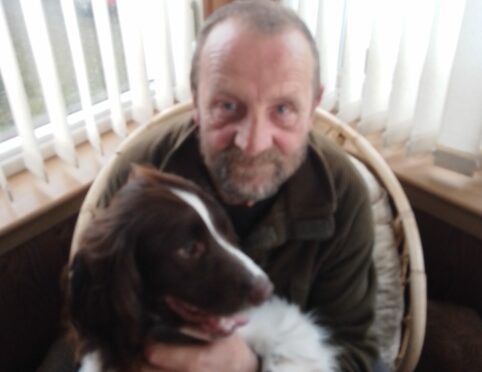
point(31, 297)
point(453, 262)
point(453, 198)
point(37, 205)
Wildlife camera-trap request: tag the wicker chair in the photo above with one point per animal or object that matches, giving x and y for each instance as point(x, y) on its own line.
point(413, 281)
point(412, 267)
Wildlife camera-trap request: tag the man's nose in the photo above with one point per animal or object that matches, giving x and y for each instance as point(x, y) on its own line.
point(254, 135)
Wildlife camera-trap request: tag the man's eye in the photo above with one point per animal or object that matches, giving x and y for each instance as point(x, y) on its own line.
point(229, 106)
point(284, 114)
point(226, 111)
point(282, 109)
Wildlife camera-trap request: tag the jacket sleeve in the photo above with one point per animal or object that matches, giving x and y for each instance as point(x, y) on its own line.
point(343, 292)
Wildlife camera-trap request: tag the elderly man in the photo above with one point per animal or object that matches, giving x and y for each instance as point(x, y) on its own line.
point(299, 208)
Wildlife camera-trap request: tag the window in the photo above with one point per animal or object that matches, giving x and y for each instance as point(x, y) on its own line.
point(410, 71)
point(72, 64)
point(60, 45)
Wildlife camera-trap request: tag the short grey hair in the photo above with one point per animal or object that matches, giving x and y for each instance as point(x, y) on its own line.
point(266, 17)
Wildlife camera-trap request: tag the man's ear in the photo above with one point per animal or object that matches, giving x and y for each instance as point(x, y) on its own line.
point(317, 99)
point(195, 113)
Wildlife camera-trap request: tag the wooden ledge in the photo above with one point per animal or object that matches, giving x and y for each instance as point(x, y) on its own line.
point(451, 197)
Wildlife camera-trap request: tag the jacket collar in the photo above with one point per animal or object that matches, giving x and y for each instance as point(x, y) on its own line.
point(303, 209)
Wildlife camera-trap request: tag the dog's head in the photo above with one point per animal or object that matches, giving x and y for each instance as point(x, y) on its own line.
point(162, 254)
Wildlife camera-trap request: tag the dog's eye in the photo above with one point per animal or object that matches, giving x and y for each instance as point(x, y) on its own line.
point(191, 250)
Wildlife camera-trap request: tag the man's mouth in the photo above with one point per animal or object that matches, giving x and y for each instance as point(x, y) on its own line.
point(204, 325)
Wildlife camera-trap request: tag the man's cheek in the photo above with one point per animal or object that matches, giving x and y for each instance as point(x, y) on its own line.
point(220, 139)
point(287, 145)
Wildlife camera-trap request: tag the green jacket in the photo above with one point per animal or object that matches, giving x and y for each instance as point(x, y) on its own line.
point(315, 242)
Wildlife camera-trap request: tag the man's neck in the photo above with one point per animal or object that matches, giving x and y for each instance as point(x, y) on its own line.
point(244, 217)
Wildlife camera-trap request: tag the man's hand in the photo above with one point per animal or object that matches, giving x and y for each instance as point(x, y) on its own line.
point(229, 354)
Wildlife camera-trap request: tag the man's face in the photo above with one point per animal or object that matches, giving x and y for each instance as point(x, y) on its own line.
point(254, 106)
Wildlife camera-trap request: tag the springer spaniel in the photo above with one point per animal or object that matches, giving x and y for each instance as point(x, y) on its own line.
point(160, 263)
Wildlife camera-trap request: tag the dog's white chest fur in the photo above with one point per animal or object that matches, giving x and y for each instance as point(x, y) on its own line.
point(287, 340)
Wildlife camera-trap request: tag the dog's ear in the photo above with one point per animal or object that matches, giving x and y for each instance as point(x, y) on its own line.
point(148, 174)
point(103, 293)
point(170, 182)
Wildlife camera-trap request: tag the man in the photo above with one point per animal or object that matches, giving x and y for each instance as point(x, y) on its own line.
point(300, 210)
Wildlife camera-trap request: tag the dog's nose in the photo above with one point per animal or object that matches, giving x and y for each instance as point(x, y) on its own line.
point(260, 290)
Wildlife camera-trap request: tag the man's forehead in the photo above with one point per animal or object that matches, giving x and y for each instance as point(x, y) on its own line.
point(232, 49)
point(233, 34)
point(224, 33)
point(229, 87)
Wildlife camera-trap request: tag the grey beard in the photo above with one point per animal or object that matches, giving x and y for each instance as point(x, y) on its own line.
point(223, 172)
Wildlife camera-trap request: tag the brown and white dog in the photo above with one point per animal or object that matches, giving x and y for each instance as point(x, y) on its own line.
point(160, 263)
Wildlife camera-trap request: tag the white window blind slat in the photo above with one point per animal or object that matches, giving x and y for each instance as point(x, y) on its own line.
point(308, 11)
point(328, 36)
point(293, 4)
point(109, 66)
point(382, 56)
point(435, 76)
point(49, 80)
point(156, 40)
point(358, 29)
point(181, 23)
point(417, 22)
point(459, 148)
point(130, 22)
point(4, 185)
point(18, 101)
point(198, 11)
point(80, 68)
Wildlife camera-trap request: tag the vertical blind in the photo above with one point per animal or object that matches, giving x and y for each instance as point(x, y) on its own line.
point(411, 70)
point(156, 38)
point(109, 66)
point(49, 79)
point(19, 105)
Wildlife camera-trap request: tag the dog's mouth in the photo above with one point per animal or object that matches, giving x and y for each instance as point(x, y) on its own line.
point(202, 324)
